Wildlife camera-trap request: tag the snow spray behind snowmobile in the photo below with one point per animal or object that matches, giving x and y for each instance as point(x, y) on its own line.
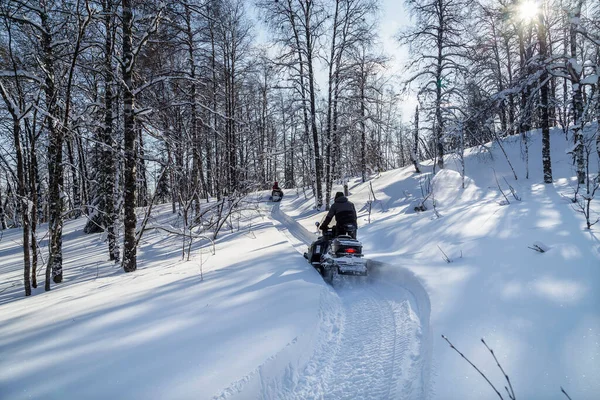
point(337, 255)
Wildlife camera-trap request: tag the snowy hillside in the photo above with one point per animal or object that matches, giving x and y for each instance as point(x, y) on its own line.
point(261, 323)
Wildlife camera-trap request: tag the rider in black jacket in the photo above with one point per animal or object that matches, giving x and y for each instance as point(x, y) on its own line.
point(345, 214)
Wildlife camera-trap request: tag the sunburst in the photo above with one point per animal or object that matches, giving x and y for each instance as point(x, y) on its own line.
point(528, 10)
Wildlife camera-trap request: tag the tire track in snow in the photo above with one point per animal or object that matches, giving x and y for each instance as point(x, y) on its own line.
point(365, 362)
point(378, 352)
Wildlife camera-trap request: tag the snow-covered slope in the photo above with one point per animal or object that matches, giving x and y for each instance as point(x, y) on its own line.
point(539, 312)
point(160, 332)
point(262, 324)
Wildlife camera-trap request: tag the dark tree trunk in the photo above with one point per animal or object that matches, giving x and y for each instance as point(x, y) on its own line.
point(2, 213)
point(546, 160)
point(142, 185)
point(577, 96)
point(107, 167)
point(511, 96)
point(313, 109)
point(75, 180)
point(415, 153)
point(22, 200)
point(363, 133)
point(55, 162)
point(83, 173)
point(439, 120)
point(34, 197)
point(328, 125)
point(197, 165)
point(525, 114)
point(130, 172)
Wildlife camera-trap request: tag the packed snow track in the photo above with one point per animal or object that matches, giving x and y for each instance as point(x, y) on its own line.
point(372, 339)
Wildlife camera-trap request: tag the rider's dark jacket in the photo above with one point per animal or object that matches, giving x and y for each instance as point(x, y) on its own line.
point(344, 213)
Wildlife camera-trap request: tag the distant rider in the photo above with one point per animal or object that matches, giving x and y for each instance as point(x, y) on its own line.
point(276, 190)
point(345, 214)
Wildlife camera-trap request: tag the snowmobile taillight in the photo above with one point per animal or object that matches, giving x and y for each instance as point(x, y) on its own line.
point(350, 250)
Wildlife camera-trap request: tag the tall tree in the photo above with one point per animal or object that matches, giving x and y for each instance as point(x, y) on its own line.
point(436, 42)
point(574, 68)
point(544, 101)
point(130, 172)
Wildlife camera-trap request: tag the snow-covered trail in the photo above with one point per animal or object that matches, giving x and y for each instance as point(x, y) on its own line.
point(371, 344)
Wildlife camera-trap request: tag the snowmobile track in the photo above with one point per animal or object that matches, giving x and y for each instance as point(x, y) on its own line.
point(369, 343)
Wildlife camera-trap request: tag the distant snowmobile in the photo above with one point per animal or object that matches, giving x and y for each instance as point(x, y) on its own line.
point(276, 195)
point(341, 255)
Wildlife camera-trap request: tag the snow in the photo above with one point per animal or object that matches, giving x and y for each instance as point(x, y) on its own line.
point(261, 323)
point(590, 80)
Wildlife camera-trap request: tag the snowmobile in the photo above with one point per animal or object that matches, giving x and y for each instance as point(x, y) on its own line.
point(334, 255)
point(276, 195)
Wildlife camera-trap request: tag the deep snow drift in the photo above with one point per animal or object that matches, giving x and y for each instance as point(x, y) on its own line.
point(262, 324)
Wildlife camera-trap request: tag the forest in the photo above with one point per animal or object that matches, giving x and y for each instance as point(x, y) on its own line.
point(110, 107)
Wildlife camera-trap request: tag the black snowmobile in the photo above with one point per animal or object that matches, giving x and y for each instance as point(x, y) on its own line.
point(276, 195)
point(335, 255)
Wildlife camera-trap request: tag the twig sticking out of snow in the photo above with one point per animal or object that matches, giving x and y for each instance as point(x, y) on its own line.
point(446, 258)
point(511, 393)
point(539, 247)
point(509, 388)
point(474, 366)
point(499, 188)
point(563, 390)
point(513, 191)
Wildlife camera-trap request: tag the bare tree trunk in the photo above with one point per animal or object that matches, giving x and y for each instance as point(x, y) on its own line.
point(197, 172)
point(34, 197)
point(130, 172)
point(330, 88)
point(439, 120)
point(55, 161)
point(75, 178)
point(498, 65)
point(301, 75)
point(363, 133)
point(313, 108)
point(575, 75)
point(108, 169)
point(142, 185)
point(2, 213)
point(22, 201)
point(511, 96)
point(214, 172)
point(546, 160)
point(415, 152)
point(83, 173)
point(525, 115)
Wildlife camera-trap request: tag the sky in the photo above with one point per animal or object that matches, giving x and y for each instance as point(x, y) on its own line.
point(394, 17)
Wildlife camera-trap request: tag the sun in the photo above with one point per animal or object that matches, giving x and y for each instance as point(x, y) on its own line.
point(528, 10)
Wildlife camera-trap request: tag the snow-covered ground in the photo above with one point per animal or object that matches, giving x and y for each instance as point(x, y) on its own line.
point(261, 323)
